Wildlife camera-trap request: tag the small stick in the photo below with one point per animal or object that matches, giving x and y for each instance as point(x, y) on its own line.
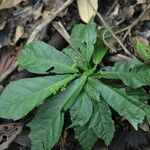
point(35, 32)
point(119, 57)
point(112, 7)
point(117, 32)
point(112, 49)
point(8, 71)
point(135, 22)
point(61, 29)
point(117, 39)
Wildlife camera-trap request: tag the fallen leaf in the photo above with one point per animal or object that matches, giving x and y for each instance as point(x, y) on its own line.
point(146, 16)
point(37, 11)
point(8, 132)
point(87, 9)
point(9, 3)
point(140, 2)
point(2, 25)
point(19, 33)
point(47, 13)
point(145, 127)
point(5, 34)
point(7, 58)
point(115, 12)
point(142, 48)
point(129, 11)
point(1, 88)
point(23, 139)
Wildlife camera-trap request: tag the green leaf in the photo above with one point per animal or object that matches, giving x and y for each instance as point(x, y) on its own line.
point(99, 51)
point(74, 91)
point(129, 107)
point(132, 73)
point(86, 137)
point(101, 121)
point(39, 57)
point(47, 124)
point(21, 96)
point(46, 127)
point(82, 110)
point(76, 57)
point(143, 50)
point(83, 38)
point(76, 35)
point(90, 90)
point(68, 95)
point(138, 94)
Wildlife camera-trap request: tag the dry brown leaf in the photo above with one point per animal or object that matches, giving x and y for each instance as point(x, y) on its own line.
point(19, 33)
point(2, 25)
point(37, 12)
point(7, 58)
point(115, 12)
point(146, 16)
point(9, 3)
point(8, 132)
point(140, 2)
point(47, 13)
point(145, 127)
point(129, 11)
point(1, 88)
point(87, 9)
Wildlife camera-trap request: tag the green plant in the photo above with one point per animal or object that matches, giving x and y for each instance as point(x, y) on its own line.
point(77, 87)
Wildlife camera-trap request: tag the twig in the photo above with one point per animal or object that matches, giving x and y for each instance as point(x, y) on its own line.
point(112, 7)
point(129, 28)
point(119, 57)
point(34, 34)
point(8, 71)
point(117, 39)
point(46, 22)
point(112, 49)
point(60, 28)
point(108, 28)
point(117, 32)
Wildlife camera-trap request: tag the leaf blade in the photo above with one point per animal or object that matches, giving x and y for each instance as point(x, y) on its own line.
point(21, 96)
point(132, 73)
point(83, 38)
point(99, 52)
point(142, 49)
point(46, 127)
point(101, 121)
point(38, 57)
point(78, 86)
point(85, 136)
point(82, 110)
point(132, 109)
point(90, 90)
point(75, 56)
